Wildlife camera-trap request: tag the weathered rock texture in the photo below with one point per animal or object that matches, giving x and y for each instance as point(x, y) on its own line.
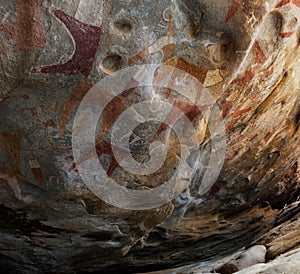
point(52, 52)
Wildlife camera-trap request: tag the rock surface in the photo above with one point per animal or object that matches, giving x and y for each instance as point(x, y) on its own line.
point(52, 52)
point(287, 263)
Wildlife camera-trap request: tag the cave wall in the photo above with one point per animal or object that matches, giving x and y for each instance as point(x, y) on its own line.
point(244, 53)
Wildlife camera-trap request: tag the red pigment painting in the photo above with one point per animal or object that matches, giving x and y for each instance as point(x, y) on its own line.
point(86, 40)
point(233, 10)
point(28, 30)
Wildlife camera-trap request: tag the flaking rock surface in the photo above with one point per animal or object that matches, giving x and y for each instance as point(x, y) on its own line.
point(245, 53)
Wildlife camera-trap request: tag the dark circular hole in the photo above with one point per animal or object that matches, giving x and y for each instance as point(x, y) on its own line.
point(111, 63)
point(123, 26)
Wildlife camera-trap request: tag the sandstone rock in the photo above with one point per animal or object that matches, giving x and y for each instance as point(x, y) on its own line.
point(52, 53)
point(287, 263)
point(252, 256)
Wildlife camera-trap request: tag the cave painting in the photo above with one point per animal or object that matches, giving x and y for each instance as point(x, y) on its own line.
point(166, 45)
point(286, 34)
point(119, 103)
point(72, 103)
point(285, 2)
point(235, 5)
point(259, 58)
point(191, 111)
point(102, 148)
point(86, 39)
point(36, 170)
point(110, 114)
point(28, 30)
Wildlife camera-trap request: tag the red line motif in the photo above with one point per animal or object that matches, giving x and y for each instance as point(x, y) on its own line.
point(233, 10)
point(28, 30)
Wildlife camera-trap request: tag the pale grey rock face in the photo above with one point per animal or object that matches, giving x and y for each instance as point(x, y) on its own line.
point(52, 52)
point(254, 255)
point(287, 263)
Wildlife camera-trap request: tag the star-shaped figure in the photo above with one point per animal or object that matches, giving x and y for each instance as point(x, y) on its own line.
point(86, 39)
